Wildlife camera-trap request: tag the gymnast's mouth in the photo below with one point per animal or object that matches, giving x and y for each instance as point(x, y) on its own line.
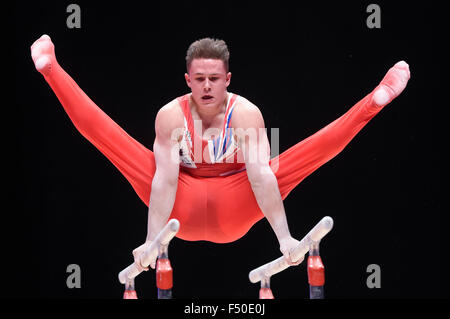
point(207, 97)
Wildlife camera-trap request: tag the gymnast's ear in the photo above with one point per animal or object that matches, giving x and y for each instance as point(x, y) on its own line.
point(228, 79)
point(188, 79)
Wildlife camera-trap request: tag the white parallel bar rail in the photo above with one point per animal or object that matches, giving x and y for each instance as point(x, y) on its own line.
point(162, 239)
point(315, 235)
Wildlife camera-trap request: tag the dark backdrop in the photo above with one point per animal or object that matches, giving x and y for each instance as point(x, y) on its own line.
point(303, 65)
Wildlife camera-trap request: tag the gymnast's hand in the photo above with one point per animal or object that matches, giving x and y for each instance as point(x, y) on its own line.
point(137, 253)
point(43, 55)
point(287, 245)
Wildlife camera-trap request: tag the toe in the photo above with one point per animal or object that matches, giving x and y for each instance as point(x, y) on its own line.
point(404, 71)
point(45, 37)
point(403, 66)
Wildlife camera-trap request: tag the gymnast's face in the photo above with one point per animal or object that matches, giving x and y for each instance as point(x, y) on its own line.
point(208, 81)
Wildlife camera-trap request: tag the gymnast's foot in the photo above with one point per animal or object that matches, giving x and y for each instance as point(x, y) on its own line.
point(393, 83)
point(43, 54)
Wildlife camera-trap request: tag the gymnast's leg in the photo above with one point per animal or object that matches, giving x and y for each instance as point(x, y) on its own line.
point(305, 157)
point(131, 158)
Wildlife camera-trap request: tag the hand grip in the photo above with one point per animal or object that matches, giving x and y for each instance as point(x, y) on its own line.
point(163, 238)
point(271, 268)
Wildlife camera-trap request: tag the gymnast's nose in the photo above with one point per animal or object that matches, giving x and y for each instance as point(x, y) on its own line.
point(207, 85)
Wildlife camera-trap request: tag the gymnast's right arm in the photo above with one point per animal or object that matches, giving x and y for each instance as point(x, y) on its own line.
point(165, 180)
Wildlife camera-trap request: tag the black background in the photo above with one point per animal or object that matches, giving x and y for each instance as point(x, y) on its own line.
point(303, 65)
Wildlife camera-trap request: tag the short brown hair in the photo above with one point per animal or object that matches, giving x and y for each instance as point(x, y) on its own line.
point(208, 48)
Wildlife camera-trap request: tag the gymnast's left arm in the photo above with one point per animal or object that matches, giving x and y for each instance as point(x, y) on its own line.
point(249, 127)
